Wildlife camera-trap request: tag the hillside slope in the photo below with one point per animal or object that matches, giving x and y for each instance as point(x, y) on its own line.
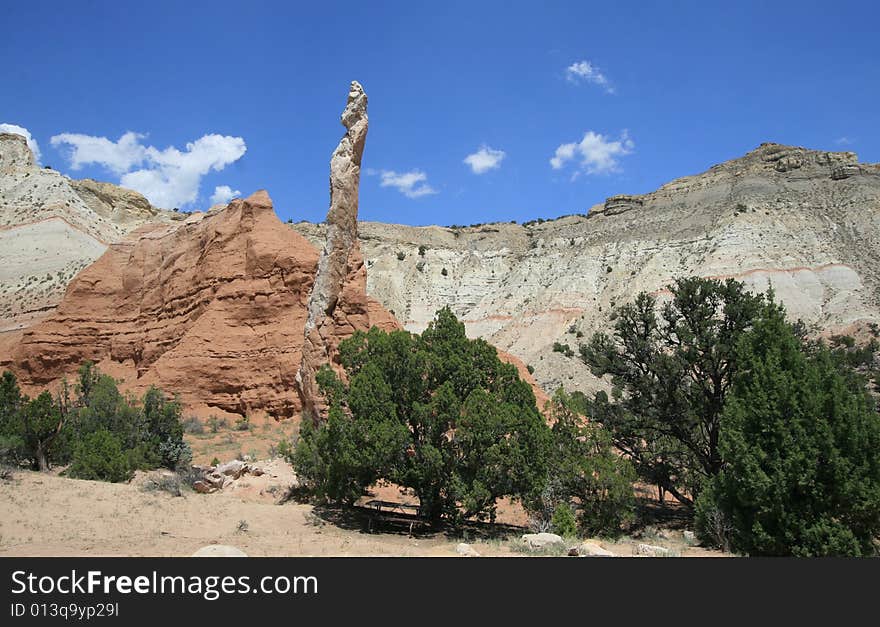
point(805, 221)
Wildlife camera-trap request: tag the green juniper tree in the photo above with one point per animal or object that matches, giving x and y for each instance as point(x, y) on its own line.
point(799, 439)
point(11, 444)
point(671, 369)
point(585, 474)
point(91, 429)
point(41, 423)
point(436, 413)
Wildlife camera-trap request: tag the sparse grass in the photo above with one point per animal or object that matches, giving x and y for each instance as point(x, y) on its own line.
point(497, 543)
point(193, 426)
point(649, 534)
point(173, 484)
point(215, 424)
point(517, 545)
point(669, 552)
point(7, 473)
point(314, 520)
point(163, 483)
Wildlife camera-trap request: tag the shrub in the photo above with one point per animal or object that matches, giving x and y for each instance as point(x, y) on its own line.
point(99, 456)
point(48, 430)
point(605, 489)
point(586, 472)
point(243, 423)
point(444, 272)
point(164, 483)
point(565, 349)
point(193, 425)
point(11, 448)
point(391, 421)
point(800, 441)
point(164, 429)
point(422, 250)
point(284, 449)
point(175, 454)
point(401, 255)
point(144, 456)
point(563, 522)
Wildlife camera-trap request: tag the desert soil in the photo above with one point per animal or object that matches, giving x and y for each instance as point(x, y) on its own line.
point(44, 514)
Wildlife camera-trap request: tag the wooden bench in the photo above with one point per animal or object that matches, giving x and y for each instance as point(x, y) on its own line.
point(395, 513)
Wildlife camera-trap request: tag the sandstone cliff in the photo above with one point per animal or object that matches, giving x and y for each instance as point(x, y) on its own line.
point(213, 308)
point(805, 221)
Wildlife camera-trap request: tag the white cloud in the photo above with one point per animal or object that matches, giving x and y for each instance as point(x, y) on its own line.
point(118, 157)
point(485, 159)
point(411, 184)
point(563, 154)
point(843, 141)
point(20, 130)
point(167, 177)
point(223, 194)
point(598, 154)
point(587, 72)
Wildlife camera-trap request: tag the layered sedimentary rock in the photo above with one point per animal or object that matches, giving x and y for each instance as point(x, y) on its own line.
point(806, 222)
point(51, 227)
point(338, 304)
point(213, 308)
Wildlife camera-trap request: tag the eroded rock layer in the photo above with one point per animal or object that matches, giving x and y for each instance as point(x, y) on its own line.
point(213, 309)
point(51, 227)
point(806, 222)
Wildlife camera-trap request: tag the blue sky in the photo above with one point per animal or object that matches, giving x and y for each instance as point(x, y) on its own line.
point(619, 96)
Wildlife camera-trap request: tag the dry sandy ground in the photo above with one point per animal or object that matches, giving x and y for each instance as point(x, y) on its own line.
point(50, 515)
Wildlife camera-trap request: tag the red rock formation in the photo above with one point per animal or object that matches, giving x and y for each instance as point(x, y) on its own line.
point(213, 309)
point(541, 397)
